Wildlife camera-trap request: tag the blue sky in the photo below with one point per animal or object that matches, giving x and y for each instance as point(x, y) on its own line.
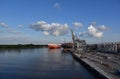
point(17, 17)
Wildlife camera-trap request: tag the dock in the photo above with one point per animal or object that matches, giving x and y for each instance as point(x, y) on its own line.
point(103, 65)
point(102, 60)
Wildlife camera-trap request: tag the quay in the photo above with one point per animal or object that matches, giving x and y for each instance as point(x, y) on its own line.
point(103, 60)
point(102, 68)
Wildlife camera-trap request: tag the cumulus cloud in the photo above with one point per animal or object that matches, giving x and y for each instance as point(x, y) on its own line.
point(78, 24)
point(56, 5)
point(103, 28)
point(93, 31)
point(2, 24)
point(55, 29)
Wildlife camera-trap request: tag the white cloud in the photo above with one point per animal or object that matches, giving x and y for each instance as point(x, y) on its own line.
point(46, 33)
point(55, 29)
point(2, 24)
point(78, 24)
point(20, 26)
point(56, 5)
point(93, 32)
point(103, 28)
point(7, 28)
point(12, 30)
point(82, 33)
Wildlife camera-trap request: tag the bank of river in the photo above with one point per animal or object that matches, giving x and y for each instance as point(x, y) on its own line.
point(40, 63)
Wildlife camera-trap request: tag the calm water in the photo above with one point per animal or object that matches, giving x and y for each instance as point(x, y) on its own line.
point(40, 63)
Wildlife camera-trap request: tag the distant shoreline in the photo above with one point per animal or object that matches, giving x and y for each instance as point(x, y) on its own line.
point(21, 46)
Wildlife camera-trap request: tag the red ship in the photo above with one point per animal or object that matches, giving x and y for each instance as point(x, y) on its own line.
point(54, 46)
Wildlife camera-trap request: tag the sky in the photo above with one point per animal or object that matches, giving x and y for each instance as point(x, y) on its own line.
point(50, 21)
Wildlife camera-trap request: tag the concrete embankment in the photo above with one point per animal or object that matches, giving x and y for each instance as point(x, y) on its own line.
point(102, 69)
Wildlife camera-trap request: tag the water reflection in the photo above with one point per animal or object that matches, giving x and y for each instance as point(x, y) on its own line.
point(65, 52)
point(40, 63)
point(10, 50)
point(54, 50)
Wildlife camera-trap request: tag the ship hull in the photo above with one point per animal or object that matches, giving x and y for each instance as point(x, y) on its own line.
point(54, 46)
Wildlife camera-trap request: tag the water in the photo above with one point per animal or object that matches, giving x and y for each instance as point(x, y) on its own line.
point(40, 63)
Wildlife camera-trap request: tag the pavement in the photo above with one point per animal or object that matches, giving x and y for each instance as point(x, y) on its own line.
point(107, 64)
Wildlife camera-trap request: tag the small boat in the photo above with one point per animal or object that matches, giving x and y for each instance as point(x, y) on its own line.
point(54, 46)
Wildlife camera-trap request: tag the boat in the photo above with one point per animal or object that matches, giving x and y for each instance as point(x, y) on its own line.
point(54, 46)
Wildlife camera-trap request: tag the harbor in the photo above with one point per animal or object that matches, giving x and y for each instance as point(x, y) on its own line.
point(97, 61)
point(106, 66)
point(101, 59)
point(60, 39)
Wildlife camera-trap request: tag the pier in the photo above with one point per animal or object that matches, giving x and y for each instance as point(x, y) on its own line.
point(103, 65)
point(103, 60)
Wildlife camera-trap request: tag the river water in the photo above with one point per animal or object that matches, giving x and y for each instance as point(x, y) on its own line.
point(40, 63)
